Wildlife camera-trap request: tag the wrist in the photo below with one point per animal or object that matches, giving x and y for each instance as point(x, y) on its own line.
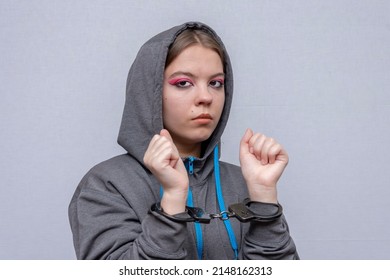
point(174, 202)
point(262, 193)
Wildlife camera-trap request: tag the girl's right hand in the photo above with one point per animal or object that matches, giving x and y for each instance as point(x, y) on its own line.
point(163, 159)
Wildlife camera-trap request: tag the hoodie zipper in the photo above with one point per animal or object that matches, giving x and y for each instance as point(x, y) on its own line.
point(190, 202)
point(191, 165)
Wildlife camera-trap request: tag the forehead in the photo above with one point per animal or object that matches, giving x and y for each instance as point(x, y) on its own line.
point(196, 58)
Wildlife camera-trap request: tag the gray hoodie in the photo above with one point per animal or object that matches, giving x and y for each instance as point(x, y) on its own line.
point(110, 212)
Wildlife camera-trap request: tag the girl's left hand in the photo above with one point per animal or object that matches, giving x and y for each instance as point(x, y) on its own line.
point(263, 161)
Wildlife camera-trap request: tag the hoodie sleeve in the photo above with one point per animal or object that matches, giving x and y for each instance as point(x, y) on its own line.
point(105, 226)
point(268, 240)
point(258, 240)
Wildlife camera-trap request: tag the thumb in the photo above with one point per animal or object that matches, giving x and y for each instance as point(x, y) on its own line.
point(166, 134)
point(245, 139)
point(244, 143)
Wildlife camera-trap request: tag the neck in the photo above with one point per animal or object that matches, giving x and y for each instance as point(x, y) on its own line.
point(186, 151)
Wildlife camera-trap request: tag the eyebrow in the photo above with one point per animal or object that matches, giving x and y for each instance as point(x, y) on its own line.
point(189, 74)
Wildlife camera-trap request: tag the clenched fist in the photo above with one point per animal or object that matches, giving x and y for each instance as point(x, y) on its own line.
point(263, 161)
point(163, 159)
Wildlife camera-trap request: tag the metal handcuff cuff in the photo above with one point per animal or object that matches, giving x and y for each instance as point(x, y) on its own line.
point(240, 211)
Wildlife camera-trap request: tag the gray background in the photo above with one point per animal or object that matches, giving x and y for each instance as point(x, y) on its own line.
point(312, 74)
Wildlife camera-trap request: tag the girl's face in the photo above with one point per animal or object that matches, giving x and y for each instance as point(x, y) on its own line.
point(193, 96)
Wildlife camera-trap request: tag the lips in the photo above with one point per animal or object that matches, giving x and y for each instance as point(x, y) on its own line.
point(203, 117)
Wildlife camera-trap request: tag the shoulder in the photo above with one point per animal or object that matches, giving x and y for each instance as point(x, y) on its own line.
point(114, 174)
point(118, 182)
point(116, 168)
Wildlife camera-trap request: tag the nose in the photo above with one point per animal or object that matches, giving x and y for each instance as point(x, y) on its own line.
point(204, 96)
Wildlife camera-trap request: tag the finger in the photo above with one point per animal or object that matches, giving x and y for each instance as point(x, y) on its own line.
point(156, 143)
point(151, 148)
point(273, 153)
point(282, 156)
point(169, 152)
point(257, 144)
point(244, 143)
point(269, 142)
point(158, 148)
point(166, 134)
point(163, 152)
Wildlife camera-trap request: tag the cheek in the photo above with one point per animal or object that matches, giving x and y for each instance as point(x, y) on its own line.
point(172, 111)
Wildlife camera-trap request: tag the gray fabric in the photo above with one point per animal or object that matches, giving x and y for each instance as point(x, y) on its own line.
point(109, 212)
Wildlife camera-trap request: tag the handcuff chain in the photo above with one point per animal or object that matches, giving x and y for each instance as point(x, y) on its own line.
point(223, 216)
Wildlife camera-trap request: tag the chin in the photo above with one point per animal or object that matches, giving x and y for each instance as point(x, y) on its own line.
point(201, 136)
point(193, 135)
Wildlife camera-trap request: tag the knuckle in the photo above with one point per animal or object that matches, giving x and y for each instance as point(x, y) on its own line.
point(146, 157)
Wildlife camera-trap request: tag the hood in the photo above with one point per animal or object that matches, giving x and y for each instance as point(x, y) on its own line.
point(142, 115)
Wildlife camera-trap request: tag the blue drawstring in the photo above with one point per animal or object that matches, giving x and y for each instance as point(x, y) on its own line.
point(221, 203)
point(198, 228)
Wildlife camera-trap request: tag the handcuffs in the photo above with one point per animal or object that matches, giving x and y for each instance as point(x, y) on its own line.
point(240, 211)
